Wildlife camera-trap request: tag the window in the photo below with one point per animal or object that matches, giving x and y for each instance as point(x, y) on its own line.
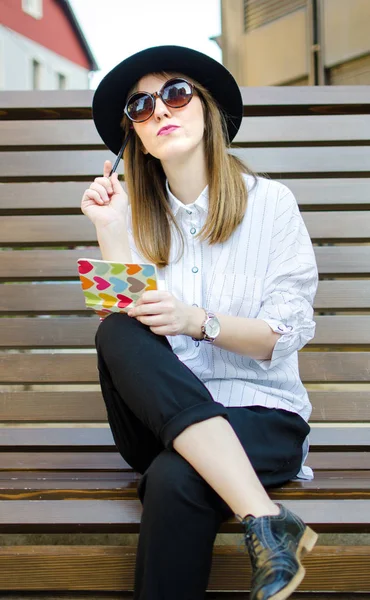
point(36, 75)
point(61, 81)
point(33, 8)
point(260, 12)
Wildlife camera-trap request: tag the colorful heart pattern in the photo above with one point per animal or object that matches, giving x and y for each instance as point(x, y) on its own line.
point(105, 284)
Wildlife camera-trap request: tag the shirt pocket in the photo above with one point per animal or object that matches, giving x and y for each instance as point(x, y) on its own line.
point(234, 294)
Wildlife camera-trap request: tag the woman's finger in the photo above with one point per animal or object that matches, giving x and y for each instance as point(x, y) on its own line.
point(98, 187)
point(153, 320)
point(149, 309)
point(116, 186)
point(93, 195)
point(107, 168)
point(105, 182)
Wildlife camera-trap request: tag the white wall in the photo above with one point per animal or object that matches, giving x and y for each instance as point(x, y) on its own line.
point(16, 55)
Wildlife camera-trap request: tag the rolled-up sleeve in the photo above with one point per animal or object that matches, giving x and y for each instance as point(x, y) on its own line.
point(291, 282)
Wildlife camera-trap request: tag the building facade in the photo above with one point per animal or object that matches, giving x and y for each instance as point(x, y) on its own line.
point(42, 47)
point(296, 42)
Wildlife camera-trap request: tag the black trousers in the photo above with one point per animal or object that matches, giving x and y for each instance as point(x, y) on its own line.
point(151, 397)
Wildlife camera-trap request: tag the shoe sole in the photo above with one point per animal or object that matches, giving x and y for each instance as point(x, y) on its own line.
point(306, 544)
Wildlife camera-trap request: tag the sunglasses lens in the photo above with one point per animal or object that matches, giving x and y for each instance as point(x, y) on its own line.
point(177, 93)
point(140, 107)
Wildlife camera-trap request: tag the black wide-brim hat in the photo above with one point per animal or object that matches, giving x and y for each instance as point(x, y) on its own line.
point(111, 94)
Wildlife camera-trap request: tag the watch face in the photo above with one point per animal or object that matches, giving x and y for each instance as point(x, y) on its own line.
point(212, 327)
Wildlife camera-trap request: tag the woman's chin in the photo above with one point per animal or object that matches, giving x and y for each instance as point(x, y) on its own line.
point(174, 151)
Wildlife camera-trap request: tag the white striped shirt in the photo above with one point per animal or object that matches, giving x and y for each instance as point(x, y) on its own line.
point(265, 270)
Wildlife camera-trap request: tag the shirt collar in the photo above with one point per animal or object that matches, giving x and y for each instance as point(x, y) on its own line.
point(201, 202)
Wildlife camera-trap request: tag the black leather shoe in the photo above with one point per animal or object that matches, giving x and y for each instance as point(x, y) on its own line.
point(276, 545)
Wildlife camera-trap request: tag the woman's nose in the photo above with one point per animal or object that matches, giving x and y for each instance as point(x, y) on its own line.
point(160, 109)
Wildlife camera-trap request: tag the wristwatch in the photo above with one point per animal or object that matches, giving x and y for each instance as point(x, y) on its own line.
point(210, 327)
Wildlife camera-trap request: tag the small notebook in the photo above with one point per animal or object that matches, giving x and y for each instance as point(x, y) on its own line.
point(110, 286)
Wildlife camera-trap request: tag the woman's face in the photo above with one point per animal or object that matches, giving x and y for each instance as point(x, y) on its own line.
point(187, 135)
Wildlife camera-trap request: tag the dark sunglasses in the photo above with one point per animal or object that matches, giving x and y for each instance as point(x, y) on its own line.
point(175, 93)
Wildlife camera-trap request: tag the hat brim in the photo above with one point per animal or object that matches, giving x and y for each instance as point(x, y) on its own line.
point(111, 94)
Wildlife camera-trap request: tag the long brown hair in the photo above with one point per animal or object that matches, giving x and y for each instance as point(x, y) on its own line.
point(150, 209)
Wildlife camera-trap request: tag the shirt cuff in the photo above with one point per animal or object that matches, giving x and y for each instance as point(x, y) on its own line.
point(283, 346)
point(278, 326)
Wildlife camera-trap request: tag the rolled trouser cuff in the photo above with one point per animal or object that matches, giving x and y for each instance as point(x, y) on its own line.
point(189, 416)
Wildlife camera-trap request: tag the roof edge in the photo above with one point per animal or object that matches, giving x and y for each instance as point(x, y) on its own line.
point(68, 10)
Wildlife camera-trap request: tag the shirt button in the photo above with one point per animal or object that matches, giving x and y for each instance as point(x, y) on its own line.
point(195, 269)
point(284, 328)
point(193, 230)
point(190, 212)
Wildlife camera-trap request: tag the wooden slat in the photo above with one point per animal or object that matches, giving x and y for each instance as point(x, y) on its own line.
point(298, 100)
point(338, 225)
point(264, 130)
point(64, 298)
point(83, 406)
point(100, 480)
point(267, 100)
point(59, 298)
point(112, 461)
point(75, 461)
point(58, 264)
point(340, 405)
point(39, 439)
point(48, 196)
point(78, 229)
point(65, 195)
point(119, 485)
point(79, 332)
point(99, 439)
point(52, 230)
point(124, 516)
point(332, 193)
point(275, 161)
point(334, 366)
point(46, 104)
point(278, 161)
point(35, 406)
point(43, 264)
point(67, 332)
point(340, 438)
point(338, 460)
point(82, 368)
point(302, 129)
point(342, 330)
point(112, 568)
point(342, 295)
point(59, 133)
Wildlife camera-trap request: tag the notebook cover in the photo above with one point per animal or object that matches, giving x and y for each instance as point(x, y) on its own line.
point(112, 286)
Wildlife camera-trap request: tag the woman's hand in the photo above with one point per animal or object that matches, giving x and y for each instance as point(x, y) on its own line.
point(165, 315)
point(105, 201)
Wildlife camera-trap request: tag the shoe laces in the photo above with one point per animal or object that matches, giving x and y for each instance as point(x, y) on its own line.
point(257, 552)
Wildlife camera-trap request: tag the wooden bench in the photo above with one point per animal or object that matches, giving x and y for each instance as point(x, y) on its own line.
point(60, 472)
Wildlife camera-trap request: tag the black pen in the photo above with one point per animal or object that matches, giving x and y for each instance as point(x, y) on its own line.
point(120, 154)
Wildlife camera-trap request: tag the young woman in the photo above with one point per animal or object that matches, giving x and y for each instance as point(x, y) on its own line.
point(201, 379)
